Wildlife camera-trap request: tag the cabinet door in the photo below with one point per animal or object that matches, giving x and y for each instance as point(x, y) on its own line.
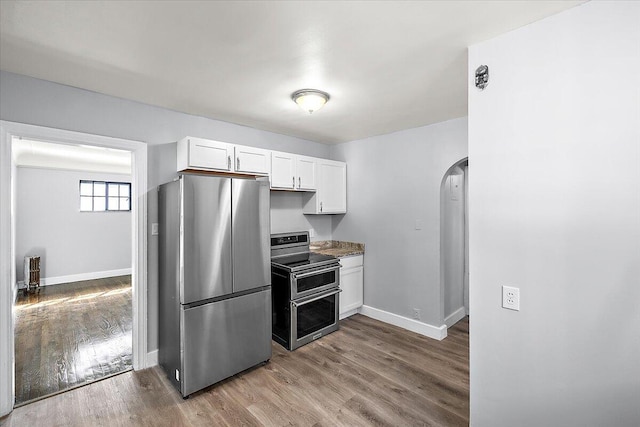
point(306, 170)
point(207, 154)
point(332, 187)
point(252, 160)
point(282, 170)
point(351, 283)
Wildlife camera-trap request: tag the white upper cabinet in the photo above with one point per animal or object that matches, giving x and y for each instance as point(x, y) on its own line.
point(283, 170)
point(324, 181)
point(293, 172)
point(306, 171)
point(331, 192)
point(252, 160)
point(206, 154)
point(198, 153)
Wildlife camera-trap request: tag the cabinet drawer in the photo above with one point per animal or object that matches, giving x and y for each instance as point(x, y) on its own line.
point(351, 261)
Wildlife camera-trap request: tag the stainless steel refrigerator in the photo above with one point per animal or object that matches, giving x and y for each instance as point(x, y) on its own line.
point(215, 279)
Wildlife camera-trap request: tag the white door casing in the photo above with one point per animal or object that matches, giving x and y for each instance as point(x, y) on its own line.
point(138, 149)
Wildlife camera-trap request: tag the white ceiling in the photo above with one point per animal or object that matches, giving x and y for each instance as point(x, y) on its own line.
point(388, 65)
point(49, 155)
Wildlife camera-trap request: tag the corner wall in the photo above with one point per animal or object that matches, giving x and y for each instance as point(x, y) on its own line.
point(49, 224)
point(393, 185)
point(554, 147)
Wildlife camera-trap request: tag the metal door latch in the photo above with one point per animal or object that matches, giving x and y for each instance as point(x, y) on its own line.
point(482, 77)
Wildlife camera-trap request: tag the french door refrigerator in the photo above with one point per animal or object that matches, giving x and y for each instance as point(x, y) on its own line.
point(214, 279)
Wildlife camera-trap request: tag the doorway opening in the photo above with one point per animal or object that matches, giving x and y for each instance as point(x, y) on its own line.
point(132, 280)
point(73, 310)
point(454, 243)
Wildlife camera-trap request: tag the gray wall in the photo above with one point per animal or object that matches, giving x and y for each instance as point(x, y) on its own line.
point(392, 181)
point(285, 216)
point(554, 148)
point(49, 224)
point(38, 102)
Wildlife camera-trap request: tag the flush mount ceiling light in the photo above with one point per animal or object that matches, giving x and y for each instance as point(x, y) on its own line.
point(310, 99)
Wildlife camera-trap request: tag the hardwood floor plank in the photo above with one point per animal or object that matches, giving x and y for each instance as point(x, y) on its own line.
point(71, 334)
point(365, 374)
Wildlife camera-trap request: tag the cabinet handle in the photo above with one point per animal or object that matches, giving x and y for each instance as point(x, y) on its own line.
point(237, 163)
point(320, 206)
point(228, 162)
point(299, 182)
point(293, 180)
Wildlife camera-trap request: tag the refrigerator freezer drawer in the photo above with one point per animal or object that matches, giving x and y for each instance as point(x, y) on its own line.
point(224, 338)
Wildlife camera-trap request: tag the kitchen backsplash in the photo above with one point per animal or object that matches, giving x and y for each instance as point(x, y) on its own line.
point(286, 215)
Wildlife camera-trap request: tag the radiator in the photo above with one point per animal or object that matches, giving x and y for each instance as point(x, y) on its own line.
point(31, 273)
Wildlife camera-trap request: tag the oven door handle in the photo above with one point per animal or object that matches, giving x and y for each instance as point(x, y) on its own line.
point(297, 304)
point(314, 272)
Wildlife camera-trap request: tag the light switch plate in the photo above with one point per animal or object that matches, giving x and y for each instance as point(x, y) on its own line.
point(154, 229)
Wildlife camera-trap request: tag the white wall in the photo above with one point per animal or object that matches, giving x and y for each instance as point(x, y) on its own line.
point(38, 102)
point(49, 224)
point(554, 149)
point(393, 181)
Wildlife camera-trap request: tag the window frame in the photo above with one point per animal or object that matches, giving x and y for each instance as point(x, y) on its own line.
point(106, 195)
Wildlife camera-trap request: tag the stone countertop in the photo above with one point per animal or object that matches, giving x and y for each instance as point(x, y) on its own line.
point(337, 248)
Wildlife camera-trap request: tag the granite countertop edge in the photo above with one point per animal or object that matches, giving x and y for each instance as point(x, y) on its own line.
point(337, 248)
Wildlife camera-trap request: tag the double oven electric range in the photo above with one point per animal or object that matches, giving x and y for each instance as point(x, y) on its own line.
point(305, 291)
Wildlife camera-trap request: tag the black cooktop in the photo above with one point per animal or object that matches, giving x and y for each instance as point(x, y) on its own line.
point(309, 259)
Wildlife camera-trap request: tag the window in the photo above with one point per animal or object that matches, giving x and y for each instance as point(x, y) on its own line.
point(101, 196)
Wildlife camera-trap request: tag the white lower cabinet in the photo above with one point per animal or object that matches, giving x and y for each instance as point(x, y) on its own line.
point(352, 285)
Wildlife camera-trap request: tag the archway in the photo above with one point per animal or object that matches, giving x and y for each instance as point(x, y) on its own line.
point(454, 248)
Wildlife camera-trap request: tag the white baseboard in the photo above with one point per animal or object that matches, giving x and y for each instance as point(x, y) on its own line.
point(349, 313)
point(455, 317)
point(151, 359)
point(435, 332)
point(48, 281)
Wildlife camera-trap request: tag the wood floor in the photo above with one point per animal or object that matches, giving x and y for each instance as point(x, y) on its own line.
point(71, 334)
point(367, 373)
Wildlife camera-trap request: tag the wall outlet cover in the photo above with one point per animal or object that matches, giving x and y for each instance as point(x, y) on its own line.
point(511, 298)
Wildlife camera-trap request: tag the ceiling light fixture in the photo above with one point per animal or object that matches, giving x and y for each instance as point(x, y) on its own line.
point(310, 99)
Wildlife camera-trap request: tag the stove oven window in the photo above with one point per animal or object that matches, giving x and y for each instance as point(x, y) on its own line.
point(316, 281)
point(316, 315)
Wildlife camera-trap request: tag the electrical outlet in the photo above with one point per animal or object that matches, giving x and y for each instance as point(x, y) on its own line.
point(416, 313)
point(511, 298)
point(312, 233)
